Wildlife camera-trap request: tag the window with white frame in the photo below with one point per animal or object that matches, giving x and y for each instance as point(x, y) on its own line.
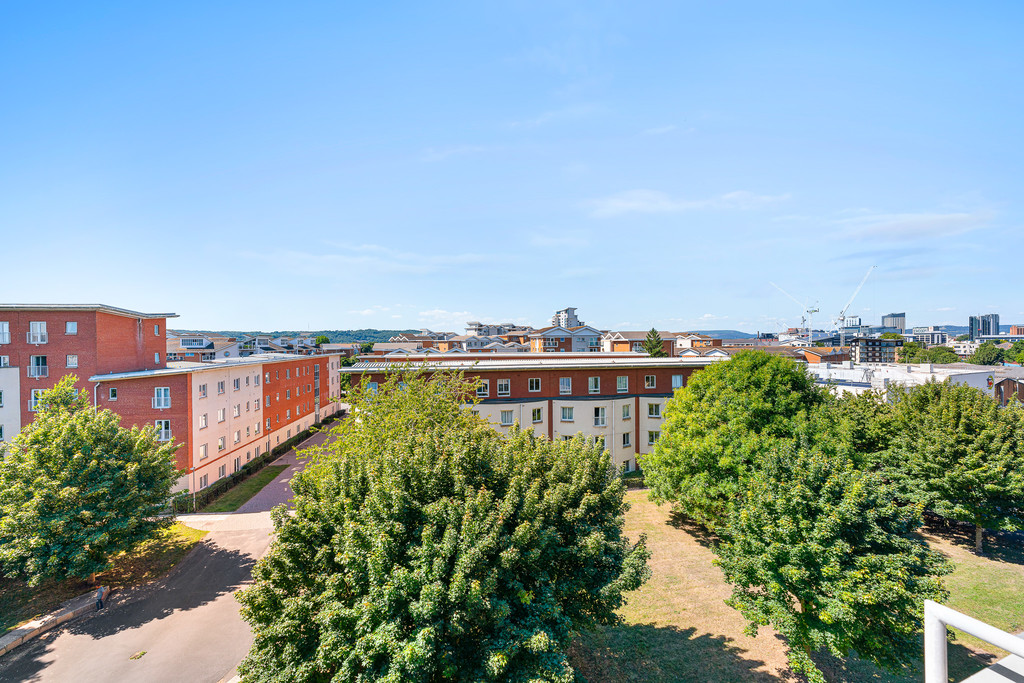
point(288, 394)
point(268, 423)
point(220, 387)
point(484, 388)
point(256, 404)
point(650, 382)
point(238, 435)
point(534, 384)
point(220, 444)
point(237, 411)
point(37, 333)
point(72, 360)
point(287, 374)
point(220, 415)
point(538, 414)
point(504, 387)
point(599, 417)
point(653, 410)
point(204, 481)
point(594, 385)
point(70, 327)
point(5, 361)
point(156, 329)
point(33, 402)
point(622, 384)
point(247, 406)
point(5, 332)
point(237, 383)
point(248, 431)
point(204, 421)
point(677, 382)
point(268, 377)
point(288, 414)
point(565, 385)
point(567, 414)
point(625, 411)
point(221, 471)
point(163, 430)
point(652, 438)
point(256, 380)
point(257, 427)
point(506, 418)
point(37, 366)
point(162, 397)
point(156, 357)
point(202, 391)
point(627, 439)
point(112, 394)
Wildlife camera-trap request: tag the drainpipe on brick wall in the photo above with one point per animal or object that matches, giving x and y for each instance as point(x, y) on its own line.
point(96, 396)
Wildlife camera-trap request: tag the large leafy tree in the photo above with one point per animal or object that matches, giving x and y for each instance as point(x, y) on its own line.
point(652, 344)
point(987, 354)
point(819, 550)
point(913, 352)
point(76, 488)
point(719, 424)
point(426, 547)
point(860, 427)
point(959, 454)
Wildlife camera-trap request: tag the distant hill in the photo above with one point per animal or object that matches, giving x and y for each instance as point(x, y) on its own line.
point(724, 334)
point(336, 336)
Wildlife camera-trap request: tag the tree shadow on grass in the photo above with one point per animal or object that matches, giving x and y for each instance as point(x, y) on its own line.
point(1005, 547)
point(963, 662)
point(645, 653)
point(706, 538)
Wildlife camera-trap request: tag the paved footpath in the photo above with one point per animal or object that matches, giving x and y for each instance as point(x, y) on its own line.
point(186, 623)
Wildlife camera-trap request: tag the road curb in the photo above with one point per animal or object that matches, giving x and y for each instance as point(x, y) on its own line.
point(75, 607)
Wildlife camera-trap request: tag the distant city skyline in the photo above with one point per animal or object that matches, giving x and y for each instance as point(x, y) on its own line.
point(653, 164)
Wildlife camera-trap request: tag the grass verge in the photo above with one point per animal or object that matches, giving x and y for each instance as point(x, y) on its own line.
point(20, 603)
point(236, 497)
point(677, 627)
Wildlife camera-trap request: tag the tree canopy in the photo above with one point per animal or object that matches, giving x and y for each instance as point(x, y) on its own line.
point(820, 551)
point(653, 344)
point(912, 352)
point(718, 426)
point(987, 354)
point(76, 488)
point(427, 547)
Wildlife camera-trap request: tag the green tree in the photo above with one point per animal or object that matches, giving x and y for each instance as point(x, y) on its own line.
point(322, 339)
point(426, 547)
point(961, 456)
point(891, 335)
point(366, 347)
point(962, 337)
point(860, 427)
point(913, 352)
point(1016, 352)
point(820, 551)
point(653, 344)
point(942, 354)
point(987, 354)
point(717, 426)
point(76, 489)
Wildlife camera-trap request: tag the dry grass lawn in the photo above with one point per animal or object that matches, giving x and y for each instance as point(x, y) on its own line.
point(678, 627)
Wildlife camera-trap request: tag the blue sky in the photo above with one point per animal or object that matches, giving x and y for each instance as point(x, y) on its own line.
point(346, 165)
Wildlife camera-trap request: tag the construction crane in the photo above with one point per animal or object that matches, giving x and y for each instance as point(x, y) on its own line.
point(808, 309)
point(840, 320)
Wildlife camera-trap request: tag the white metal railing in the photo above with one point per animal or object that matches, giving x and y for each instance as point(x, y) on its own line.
point(36, 337)
point(160, 402)
point(936, 618)
point(38, 371)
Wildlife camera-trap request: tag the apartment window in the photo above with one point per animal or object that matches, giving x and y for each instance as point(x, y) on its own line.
point(650, 381)
point(652, 438)
point(220, 415)
point(484, 388)
point(599, 417)
point(162, 397)
point(163, 430)
point(565, 385)
point(1, 432)
point(653, 410)
point(156, 357)
point(1, 399)
point(37, 366)
point(622, 384)
point(202, 391)
point(268, 376)
point(238, 383)
point(5, 361)
point(288, 414)
point(5, 333)
point(204, 481)
point(237, 411)
point(257, 431)
point(220, 444)
point(37, 333)
point(238, 436)
point(567, 414)
point(288, 393)
point(247, 404)
point(156, 330)
point(287, 374)
point(277, 374)
point(627, 439)
point(71, 327)
point(203, 421)
point(220, 387)
point(112, 394)
point(372, 388)
point(504, 387)
point(534, 384)
point(33, 402)
point(247, 380)
point(538, 414)
point(248, 431)
point(476, 413)
point(256, 403)
point(268, 423)
point(221, 471)
point(566, 438)
point(506, 418)
point(72, 360)
point(677, 382)
point(625, 411)
point(256, 380)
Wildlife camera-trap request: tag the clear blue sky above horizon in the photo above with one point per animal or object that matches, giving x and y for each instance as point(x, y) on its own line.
point(334, 165)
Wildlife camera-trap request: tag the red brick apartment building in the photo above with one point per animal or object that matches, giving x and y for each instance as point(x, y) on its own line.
point(221, 413)
point(618, 399)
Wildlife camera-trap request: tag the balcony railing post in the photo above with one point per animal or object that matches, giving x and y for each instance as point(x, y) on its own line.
point(935, 657)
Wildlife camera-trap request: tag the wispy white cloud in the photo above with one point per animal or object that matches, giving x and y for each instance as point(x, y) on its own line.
point(906, 227)
point(371, 257)
point(653, 201)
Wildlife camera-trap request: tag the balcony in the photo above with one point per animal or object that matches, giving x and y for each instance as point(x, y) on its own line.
point(37, 337)
point(161, 402)
point(38, 371)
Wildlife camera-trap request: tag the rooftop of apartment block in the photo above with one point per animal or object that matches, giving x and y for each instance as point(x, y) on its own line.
point(100, 308)
point(185, 367)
